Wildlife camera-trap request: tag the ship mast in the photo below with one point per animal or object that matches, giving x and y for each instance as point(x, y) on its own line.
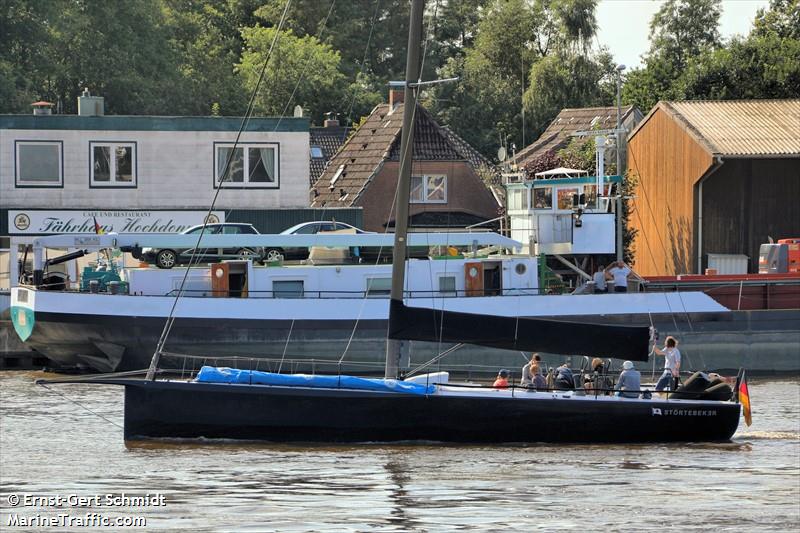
point(404, 180)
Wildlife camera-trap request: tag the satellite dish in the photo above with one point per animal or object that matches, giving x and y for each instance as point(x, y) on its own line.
point(298, 111)
point(501, 154)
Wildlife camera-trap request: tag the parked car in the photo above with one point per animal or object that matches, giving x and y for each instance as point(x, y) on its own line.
point(306, 228)
point(168, 258)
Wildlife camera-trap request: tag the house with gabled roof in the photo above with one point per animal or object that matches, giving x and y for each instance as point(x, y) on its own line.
point(713, 178)
point(569, 121)
point(451, 184)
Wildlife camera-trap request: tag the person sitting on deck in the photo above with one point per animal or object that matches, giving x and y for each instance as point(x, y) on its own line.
point(564, 378)
point(502, 380)
point(630, 381)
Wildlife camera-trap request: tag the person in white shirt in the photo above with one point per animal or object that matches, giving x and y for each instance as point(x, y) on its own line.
point(600, 280)
point(620, 272)
point(672, 364)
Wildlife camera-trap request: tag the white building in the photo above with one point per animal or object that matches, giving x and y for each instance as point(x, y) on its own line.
point(134, 174)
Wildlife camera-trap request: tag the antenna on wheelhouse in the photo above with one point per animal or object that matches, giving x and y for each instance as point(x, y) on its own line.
point(393, 346)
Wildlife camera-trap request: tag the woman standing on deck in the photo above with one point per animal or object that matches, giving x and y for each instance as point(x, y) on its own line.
point(672, 364)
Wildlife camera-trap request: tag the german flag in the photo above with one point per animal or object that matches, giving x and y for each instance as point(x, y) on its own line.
point(744, 399)
point(97, 228)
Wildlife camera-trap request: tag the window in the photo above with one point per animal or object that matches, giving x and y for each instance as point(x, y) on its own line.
point(113, 164)
point(251, 165)
point(565, 197)
point(543, 198)
point(518, 199)
point(447, 285)
point(316, 152)
point(231, 230)
point(591, 195)
point(39, 164)
point(429, 189)
point(287, 289)
point(379, 286)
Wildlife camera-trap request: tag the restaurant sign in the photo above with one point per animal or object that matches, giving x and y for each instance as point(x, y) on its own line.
point(45, 222)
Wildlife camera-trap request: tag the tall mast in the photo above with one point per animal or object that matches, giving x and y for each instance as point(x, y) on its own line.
point(404, 180)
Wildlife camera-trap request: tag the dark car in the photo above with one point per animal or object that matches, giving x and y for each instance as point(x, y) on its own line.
point(306, 228)
point(168, 258)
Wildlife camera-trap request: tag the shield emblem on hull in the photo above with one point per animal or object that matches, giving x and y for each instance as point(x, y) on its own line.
point(23, 320)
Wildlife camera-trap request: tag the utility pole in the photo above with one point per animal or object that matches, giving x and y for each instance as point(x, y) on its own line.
point(619, 70)
point(393, 346)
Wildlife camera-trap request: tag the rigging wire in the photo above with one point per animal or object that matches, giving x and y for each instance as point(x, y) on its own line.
point(226, 175)
point(397, 186)
point(80, 405)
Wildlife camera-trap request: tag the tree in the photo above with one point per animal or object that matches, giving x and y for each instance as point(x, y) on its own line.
point(24, 53)
point(680, 30)
point(207, 39)
point(515, 42)
point(301, 70)
point(119, 50)
point(762, 65)
point(567, 80)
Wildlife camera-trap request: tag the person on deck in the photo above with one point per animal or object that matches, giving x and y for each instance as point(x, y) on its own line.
point(502, 380)
point(598, 377)
point(630, 381)
point(564, 379)
point(531, 370)
point(599, 278)
point(620, 272)
point(672, 364)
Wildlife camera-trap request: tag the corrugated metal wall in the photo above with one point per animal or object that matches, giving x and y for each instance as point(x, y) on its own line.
point(748, 200)
point(667, 162)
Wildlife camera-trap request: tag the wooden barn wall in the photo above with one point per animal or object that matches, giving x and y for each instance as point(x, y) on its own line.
point(748, 200)
point(667, 162)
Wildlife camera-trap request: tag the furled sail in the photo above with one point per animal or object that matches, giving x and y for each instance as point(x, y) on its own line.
point(525, 334)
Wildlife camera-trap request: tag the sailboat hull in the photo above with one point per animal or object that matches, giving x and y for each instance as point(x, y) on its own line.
point(185, 410)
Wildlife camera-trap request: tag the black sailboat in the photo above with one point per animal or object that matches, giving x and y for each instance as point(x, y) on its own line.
point(243, 404)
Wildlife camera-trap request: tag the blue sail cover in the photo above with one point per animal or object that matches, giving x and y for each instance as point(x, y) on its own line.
point(212, 374)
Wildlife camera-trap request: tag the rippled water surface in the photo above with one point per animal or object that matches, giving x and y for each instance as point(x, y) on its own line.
point(51, 446)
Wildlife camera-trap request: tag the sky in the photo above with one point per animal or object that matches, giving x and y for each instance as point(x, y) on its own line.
point(624, 25)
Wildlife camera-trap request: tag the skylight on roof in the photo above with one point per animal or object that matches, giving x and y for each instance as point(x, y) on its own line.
point(336, 176)
point(316, 152)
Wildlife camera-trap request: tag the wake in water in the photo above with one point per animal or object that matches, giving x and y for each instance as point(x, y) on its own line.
point(769, 435)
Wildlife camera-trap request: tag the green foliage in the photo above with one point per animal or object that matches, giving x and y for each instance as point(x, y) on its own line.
point(567, 80)
point(578, 154)
point(529, 54)
point(680, 30)
point(687, 60)
point(203, 57)
point(628, 190)
point(301, 70)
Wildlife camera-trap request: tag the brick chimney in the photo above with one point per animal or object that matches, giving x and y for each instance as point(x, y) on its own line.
point(331, 120)
point(395, 97)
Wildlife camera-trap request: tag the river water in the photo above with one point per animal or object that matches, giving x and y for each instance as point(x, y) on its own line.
point(50, 446)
